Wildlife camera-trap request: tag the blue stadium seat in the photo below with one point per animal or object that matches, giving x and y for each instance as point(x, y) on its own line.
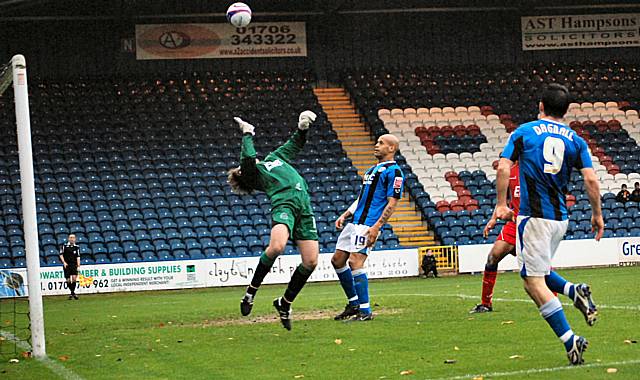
point(5, 263)
point(87, 260)
point(149, 256)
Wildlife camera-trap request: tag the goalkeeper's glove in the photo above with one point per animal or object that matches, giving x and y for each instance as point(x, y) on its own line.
point(244, 126)
point(305, 119)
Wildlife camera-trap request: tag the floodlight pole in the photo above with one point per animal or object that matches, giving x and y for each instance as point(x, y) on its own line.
point(36, 315)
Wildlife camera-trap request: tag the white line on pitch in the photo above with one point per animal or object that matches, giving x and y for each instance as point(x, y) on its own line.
point(465, 296)
point(539, 370)
point(55, 367)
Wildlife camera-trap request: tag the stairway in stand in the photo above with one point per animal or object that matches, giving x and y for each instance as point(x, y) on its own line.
point(358, 144)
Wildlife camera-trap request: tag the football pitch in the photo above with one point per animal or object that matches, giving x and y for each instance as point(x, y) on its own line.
point(421, 330)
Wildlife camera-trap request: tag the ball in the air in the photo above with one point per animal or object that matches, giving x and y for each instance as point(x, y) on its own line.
point(239, 14)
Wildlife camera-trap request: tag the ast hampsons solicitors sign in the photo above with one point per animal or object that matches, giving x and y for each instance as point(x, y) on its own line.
point(581, 31)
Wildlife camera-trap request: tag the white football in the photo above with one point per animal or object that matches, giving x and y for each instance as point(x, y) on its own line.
point(239, 14)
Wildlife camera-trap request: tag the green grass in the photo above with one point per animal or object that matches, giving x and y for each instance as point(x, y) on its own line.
point(420, 323)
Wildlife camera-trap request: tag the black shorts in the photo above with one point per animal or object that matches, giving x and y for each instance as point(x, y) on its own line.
point(70, 270)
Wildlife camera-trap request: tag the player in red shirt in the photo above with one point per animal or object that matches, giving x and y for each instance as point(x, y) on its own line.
point(505, 244)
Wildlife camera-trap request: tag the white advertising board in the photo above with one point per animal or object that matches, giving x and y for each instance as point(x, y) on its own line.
point(237, 271)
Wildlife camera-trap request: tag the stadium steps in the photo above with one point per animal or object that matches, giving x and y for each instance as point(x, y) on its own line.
point(358, 144)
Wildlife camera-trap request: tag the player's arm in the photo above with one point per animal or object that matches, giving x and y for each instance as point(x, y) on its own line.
point(289, 150)
point(509, 155)
point(374, 231)
point(347, 214)
point(502, 210)
point(490, 224)
point(592, 185)
point(395, 185)
point(64, 263)
point(78, 258)
point(248, 166)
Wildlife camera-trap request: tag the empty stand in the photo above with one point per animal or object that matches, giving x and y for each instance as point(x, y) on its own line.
point(453, 126)
point(358, 144)
point(137, 168)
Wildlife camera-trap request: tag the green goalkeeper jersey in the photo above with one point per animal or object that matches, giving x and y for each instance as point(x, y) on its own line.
point(274, 175)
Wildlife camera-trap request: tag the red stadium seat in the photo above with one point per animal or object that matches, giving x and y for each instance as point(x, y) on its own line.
point(442, 206)
point(605, 160)
point(460, 130)
point(601, 125)
point(614, 125)
point(421, 131)
point(486, 110)
point(433, 131)
point(426, 139)
point(471, 205)
point(449, 176)
point(457, 206)
point(510, 126)
point(464, 199)
point(446, 131)
point(571, 200)
point(457, 186)
point(464, 196)
point(473, 130)
point(434, 150)
point(575, 124)
point(472, 202)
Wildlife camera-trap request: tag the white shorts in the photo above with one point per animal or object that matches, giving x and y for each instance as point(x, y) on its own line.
point(537, 240)
point(353, 239)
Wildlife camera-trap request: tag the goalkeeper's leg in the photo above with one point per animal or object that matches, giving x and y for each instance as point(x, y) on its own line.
point(309, 250)
point(277, 243)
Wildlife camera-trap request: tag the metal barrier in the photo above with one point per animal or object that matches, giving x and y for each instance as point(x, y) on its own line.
point(446, 256)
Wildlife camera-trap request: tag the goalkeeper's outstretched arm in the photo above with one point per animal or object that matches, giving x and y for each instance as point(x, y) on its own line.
point(244, 179)
point(289, 150)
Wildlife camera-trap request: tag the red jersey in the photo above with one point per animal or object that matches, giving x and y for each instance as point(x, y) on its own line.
point(514, 189)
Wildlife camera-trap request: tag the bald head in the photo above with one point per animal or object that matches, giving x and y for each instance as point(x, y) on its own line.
point(391, 140)
point(386, 147)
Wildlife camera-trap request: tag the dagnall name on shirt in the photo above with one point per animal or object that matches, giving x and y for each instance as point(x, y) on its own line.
point(552, 128)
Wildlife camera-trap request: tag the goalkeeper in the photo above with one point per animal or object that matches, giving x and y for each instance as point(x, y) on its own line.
point(291, 212)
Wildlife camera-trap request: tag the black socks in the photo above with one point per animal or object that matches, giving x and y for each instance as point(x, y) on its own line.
point(298, 280)
point(264, 266)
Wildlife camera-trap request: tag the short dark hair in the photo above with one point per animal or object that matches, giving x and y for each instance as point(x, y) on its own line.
point(555, 100)
point(624, 185)
point(636, 184)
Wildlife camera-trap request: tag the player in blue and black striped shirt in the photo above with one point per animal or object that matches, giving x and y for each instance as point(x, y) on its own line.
point(381, 190)
point(547, 150)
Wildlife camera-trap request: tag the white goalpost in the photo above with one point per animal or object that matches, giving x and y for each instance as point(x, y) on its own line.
point(28, 205)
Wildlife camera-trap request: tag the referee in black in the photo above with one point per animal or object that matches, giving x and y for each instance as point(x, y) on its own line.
point(70, 257)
